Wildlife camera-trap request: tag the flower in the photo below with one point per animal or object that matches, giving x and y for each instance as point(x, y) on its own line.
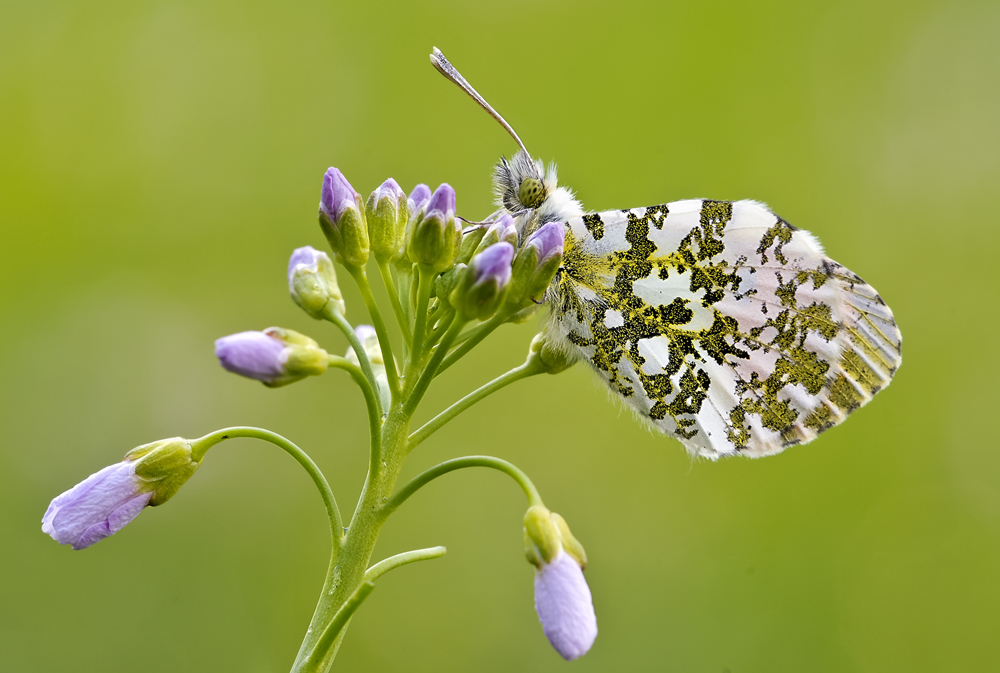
point(312, 282)
point(433, 235)
point(387, 213)
point(479, 291)
point(342, 219)
point(418, 198)
point(275, 356)
point(536, 264)
point(564, 606)
point(106, 501)
point(562, 597)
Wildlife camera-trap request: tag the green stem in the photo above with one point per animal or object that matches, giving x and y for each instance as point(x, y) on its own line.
point(426, 477)
point(372, 401)
point(527, 369)
point(424, 283)
point(426, 376)
point(361, 278)
point(321, 657)
point(407, 557)
point(202, 445)
point(366, 366)
point(475, 337)
point(397, 308)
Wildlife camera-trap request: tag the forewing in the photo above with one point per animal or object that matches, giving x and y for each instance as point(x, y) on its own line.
point(722, 324)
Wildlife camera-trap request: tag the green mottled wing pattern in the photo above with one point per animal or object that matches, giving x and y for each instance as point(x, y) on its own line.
point(722, 324)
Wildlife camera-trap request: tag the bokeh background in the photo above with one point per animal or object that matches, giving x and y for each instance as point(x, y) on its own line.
point(158, 162)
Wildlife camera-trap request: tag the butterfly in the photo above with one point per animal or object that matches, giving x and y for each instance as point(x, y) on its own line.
point(717, 322)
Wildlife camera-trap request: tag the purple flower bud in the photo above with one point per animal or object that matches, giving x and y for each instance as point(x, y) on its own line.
point(564, 606)
point(337, 194)
point(493, 265)
point(548, 240)
point(442, 201)
point(99, 506)
point(389, 188)
point(418, 198)
point(387, 213)
point(312, 282)
point(506, 229)
point(254, 355)
point(341, 216)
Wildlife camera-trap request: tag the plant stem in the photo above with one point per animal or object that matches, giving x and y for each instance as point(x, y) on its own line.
point(407, 557)
point(361, 278)
point(478, 334)
point(202, 445)
point(371, 402)
point(426, 477)
point(359, 350)
point(426, 376)
point(397, 308)
point(525, 370)
point(424, 283)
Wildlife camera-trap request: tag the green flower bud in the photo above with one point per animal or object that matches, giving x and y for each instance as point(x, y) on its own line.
point(387, 214)
point(369, 341)
point(502, 229)
point(166, 463)
point(303, 356)
point(551, 358)
point(470, 243)
point(312, 282)
point(342, 219)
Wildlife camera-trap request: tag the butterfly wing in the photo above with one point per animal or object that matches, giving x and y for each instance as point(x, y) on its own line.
point(722, 324)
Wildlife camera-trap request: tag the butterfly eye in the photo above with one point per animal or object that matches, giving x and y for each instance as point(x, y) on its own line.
point(531, 193)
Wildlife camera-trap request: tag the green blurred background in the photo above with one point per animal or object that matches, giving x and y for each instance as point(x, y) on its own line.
point(159, 161)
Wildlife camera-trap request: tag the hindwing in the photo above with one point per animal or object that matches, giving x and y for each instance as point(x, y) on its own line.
point(722, 324)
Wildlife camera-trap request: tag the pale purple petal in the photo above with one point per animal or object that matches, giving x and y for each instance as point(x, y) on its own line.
point(252, 354)
point(549, 239)
point(564, 606)
point(306, 256)
point(493, 265)
point(337, 194)
point(77, 516)
point(442, 201)
point(420, 195)
point(506, 229)
point(391, 189)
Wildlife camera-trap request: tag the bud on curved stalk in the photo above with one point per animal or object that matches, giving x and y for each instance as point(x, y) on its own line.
point(433, 237)
point(369, 341)
point(502, 229)
point(387, 213)
point(562, 597)
point(536, 264)
point(480, 290)
point(548, 356)
point(312, 282)
point(106, 501)
point(275, 357)
point(341, 216)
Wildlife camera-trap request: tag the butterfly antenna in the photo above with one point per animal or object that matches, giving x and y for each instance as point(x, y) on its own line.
point(445, 67)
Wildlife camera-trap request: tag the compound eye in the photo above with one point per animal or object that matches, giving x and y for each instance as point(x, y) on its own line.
point(531, 193)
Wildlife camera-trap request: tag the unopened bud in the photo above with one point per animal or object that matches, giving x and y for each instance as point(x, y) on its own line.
point(369, 341)
point(502, 229)
point(480, 290)
point(550, 357)
point(341, 216)
point(433, 237)
point(275, 357)
point(312, 282)
point(387, 212)
point(536, 264)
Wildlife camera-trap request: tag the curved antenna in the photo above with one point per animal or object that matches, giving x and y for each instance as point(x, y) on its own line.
point(448, 70)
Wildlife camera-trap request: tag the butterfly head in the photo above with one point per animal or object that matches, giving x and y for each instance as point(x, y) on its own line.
point(525, 187)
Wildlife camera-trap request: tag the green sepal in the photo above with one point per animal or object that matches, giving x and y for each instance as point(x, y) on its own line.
point(348, 237)
point(548, 357)
point(315, 290)
point(386, 227)
point(541, 535)
point(471, 239)
point(165, 465)
point(432, 242)
point(570, 544)
point(476, 301)
point(305, 357)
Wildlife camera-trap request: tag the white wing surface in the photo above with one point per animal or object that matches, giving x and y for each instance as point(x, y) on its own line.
point(722, 324)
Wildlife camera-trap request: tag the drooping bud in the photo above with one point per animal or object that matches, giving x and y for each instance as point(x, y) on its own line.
point(480, 290)
point(276, 356)
point(434, 236)
point(562, 597)
point(341, 216)
point(536, 264)
point(549, 356)
point(502, 229)
point(369, 341)
point(106, 501)
point(312, 282)
point(387, 213)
